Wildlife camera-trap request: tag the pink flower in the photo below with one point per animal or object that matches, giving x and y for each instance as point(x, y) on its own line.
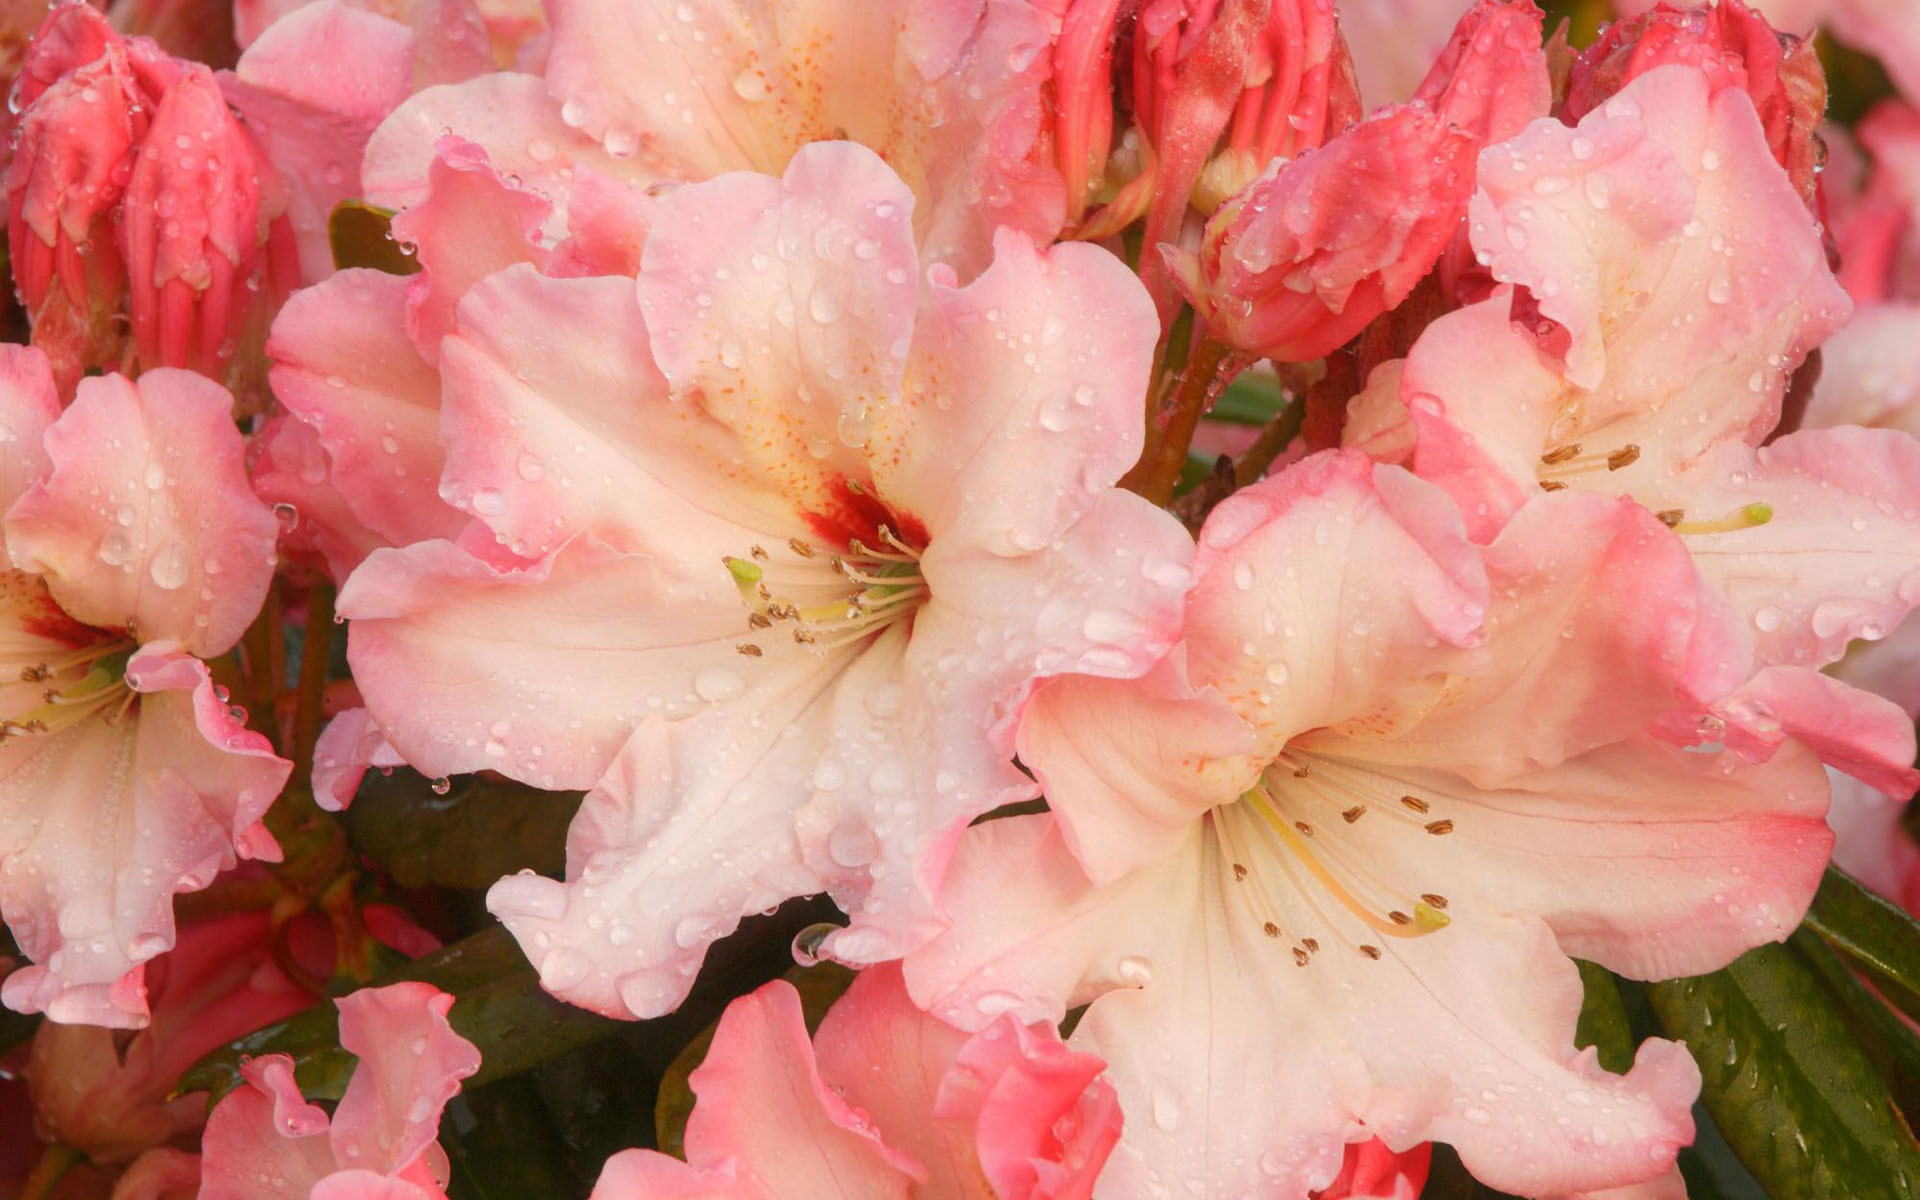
point(1371, 1171)
point(1887, 29)
point(1677, 280)
point(265, 1142)
point(1314, 249)
point(816, 528)
point(110, 1097)
point(885, 1102)
point(137, 550)
point(949, 92)
point(1320, 873)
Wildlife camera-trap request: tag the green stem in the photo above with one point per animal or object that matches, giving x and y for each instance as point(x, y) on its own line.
point(1208, 369)
point(50, 1170)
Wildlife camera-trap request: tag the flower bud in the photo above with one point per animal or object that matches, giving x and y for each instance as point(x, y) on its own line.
point(1316, 248)
point(195, 237)
point(1733, 46)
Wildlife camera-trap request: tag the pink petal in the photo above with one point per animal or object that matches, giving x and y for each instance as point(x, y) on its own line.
point(1731, 282)
point(766, 1125)
point(1839, 555)
point(411, 1064)
point(1597, 614)
point(344, 365)
point(1004, 438)
point(541, 672)
point(1491, 77)
point(950, 94)
point(261, 1141)
point(1344, 1044)
point(1391, 574)
point(1870, 371)
point(159, 1174)
point(28, 405)
point(311, 89)
point(509, 115)
point(367, 1185)
point(1869, 738)
point(470, 224)
point(349, 744)
point(788, 306)
point(1371, 1171)
point(544, 443)
point(290, 469)
point(1010, 1106)
point(147, 520)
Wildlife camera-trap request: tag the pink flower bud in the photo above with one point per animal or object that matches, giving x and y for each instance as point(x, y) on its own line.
point(1371, 1169)
point(1733, 46)
point(1316, 248)
point(195, 236)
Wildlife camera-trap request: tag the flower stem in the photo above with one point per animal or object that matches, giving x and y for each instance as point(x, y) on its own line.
point(50, 1170)
point(1208, 370)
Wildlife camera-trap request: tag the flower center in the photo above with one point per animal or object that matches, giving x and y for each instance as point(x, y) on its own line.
point(1305, 824)
point(72, 687)
point(821, 600)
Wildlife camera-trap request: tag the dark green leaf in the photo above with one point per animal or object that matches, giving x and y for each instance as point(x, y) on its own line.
point(483, 828)
point(499, 1007)
point(1888, 1040)
point(1603, 1020)
point(502, 1145)
point(1795, 1096)
point(1253, 398)
point(362, 236)
point(1877, 935)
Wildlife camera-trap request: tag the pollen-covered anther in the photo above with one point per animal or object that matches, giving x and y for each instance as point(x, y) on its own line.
point(1433, 900)
point(749, 649)
point(1301, 957)
point(1354, 814)
point(803, 549)
point(1439, 827)
point(1270, 929)
point(1372, 952)
point(1415, 803)
point(1239, 872)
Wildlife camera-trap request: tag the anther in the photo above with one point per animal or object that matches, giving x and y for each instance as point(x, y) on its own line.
point(35, 674)
point(1415, 803)
point(1439, 827)
point(1433, 900)
point(1372, 952)
point(803, 635)
point(759, 552)
point(1271, 930)
point(1301, 957)
point(1552, 485)
point(1625, 456)
point(799, 547)
point(1239, 872)
point(1354, 814)
point(1671, 516)
point(1399, 918)
point(1313, 947)
point(1305, 829)
point(1560, 455)
point(1303, 770)
point(749, 649)
point(759, 620)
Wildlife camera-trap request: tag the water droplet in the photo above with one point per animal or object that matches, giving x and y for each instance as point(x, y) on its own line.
point(852, 845)
point(718, 684)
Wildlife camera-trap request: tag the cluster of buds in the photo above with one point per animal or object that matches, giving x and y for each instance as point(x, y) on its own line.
point(145, 227)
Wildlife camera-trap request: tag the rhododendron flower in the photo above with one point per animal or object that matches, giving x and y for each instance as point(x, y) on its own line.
point(1675, 321)
point(885, 1102)
point(804, 535)
point(110, 1097)
point(1887, 29)
point(1313, 250)
point(137, 550)
point(635, 93)
point(265, 1142)
point(1320, 873)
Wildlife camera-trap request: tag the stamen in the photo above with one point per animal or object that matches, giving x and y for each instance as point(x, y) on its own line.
point(1239, 872)
point(799, 547)
point(1552, 485)
point(1625, 456)
point(1415, 803)
point(1372, 952)
point(1432, 900)
point(1437, 828)
point(749, 649)
point(1560, 454)
point(1354, 814)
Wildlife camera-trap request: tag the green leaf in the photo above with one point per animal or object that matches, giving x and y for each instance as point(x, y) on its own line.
point(361, 235)
point(1876, 934)
point(819, 986)
point(1253, 398)
point(1603, 1019)
point(1888, 1040)
point(1802, 1106)
point(481, 829)
point(501, 1144)
point(498, 1006)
